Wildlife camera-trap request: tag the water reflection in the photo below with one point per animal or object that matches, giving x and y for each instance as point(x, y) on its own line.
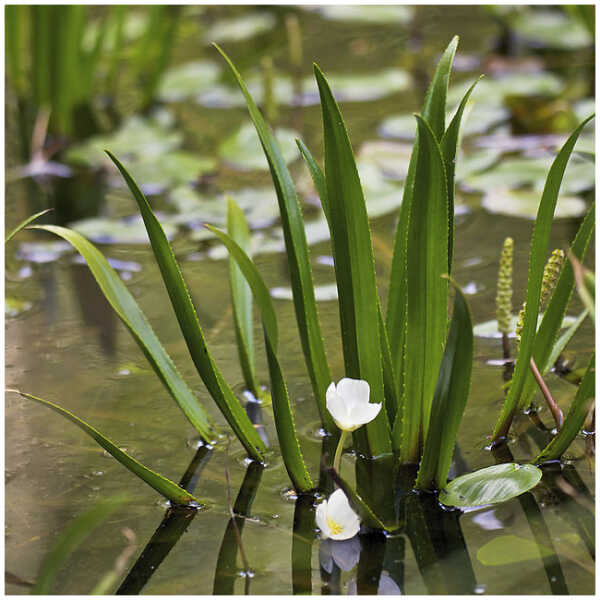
point(171, 528)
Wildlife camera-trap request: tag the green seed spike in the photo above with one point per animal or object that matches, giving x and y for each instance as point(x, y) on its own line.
point(551, 273)
point(504, 288)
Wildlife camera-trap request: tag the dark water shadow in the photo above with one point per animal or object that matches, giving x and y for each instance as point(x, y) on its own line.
point(226, 571)
point(171, 528)
point(302, 543)
point(539, 529)
point(439, 546)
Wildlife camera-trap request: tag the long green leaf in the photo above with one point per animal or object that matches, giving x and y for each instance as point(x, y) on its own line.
point(434, 109)
point(537, 259)
point(71, 538)
point(161, 484)
point(282, 410)
point(434, 112)
point(427, 260)
point(389, 376)
point(354, 268)
point(132, 316)
point(543, 347)
point(450, 399)
point(298, 258)
point(190, 327)
point(24, 224)
point(575, 419)
point(449, 146)
point(241, 297)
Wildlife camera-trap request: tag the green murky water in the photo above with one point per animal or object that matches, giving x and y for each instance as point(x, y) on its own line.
point(64, 344)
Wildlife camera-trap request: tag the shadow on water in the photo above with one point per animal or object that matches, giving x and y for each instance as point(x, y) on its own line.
point(226, 571)
point(302, 543)
point(171, 528)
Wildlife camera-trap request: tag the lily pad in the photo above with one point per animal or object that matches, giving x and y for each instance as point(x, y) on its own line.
point(172, 169)
point(43, 252)
point(137, 138)
point(119, 231)
point(240, 28)
point(478, 118)
point(188, 80)
point(551, 29)
point(391, 158)
point(491, 485)
point(510, 550)
point(493, 90)
point(323, 293)
point(489, 329)
point(358, 87)
point(525, 203)
point(381, 15)
point(476, 161)
point(259, 205)
point(243, 151)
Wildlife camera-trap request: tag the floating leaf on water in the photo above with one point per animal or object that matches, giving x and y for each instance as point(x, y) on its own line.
point(492, 90)
point(224, 96)
point(137, 138)
point(525, 203)
point(240, 28)
point(188, 80)
point(474, 162)
point(583, 109)
point(382, 196)
point(381, 15)
point(391, 158)
point(323, 293)
point(174, 168)
point(480, 119)
point(243, 151)
point(491, 485)
point(42, 252)
point(510, 550)
point(13, 307)
point(511, 173)
point(489, 329)
point(360, 87)
point(259, 205)
point(118, 231)
point(551, 29)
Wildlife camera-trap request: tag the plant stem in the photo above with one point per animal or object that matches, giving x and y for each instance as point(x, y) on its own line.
point(556, 412)
point(338, 452)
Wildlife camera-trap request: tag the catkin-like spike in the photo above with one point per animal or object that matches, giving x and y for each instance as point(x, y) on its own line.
point(504, 288)
point(551, 272)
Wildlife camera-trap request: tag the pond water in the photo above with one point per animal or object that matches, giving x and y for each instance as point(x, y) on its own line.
point(64, 344)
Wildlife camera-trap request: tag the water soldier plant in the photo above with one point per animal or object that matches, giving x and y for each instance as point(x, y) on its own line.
point(407, 371)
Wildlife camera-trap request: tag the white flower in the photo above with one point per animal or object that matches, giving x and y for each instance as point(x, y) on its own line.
point(336, 519)
point(349, 405)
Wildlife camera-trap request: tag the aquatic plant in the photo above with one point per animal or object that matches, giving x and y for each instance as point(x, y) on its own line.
point(416, 367)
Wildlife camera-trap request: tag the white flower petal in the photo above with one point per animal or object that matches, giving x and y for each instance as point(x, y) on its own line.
point(349, 529)
point(366, 413)
point(336, 406)
point(321, 519)
point(354, 391)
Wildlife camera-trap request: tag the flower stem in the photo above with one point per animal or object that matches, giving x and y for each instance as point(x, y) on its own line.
point(338, 451)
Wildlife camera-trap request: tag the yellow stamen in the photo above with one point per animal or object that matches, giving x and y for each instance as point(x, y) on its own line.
point(334, 527)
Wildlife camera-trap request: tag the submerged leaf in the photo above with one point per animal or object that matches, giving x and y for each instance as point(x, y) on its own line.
point(510, 550)
point(71, 538)
point(491, 485)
